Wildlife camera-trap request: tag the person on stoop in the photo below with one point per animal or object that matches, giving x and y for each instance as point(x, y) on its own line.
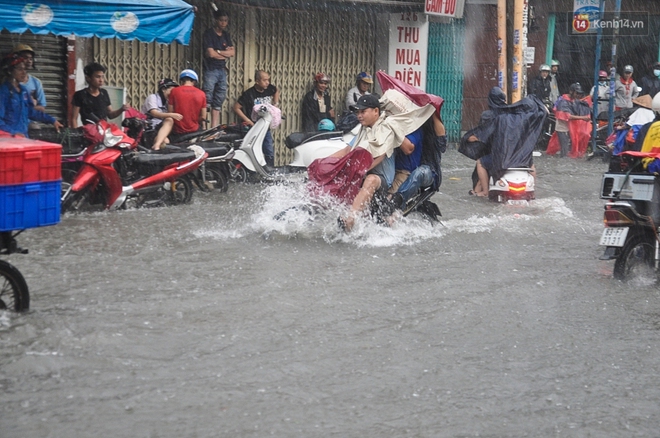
point(262, 92)
point(218, 48)
point(190, 102)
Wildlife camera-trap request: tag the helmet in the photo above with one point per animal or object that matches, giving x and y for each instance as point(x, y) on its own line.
point(190, 74)
point(321, 77)
point(364, 77)
point(544, 67)
point(23, 48)
point(602, 74)
point(576, 87)
point(166, 83)
point(554, 62)
point(326, 125)
point(655, 103)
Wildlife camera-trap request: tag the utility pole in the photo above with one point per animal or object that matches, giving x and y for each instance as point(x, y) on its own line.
point(502, 73)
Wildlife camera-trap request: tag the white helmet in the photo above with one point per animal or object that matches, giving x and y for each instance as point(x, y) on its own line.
point(190, 74)
point(655, 103)
point(544, 67)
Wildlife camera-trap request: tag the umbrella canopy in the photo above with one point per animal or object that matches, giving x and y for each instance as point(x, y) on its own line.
point(163, 21)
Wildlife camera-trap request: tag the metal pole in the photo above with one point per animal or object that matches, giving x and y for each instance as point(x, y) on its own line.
point(518, 61)
point(550, 40)
point(502, 74)
point(617, 15)
point(599, 38)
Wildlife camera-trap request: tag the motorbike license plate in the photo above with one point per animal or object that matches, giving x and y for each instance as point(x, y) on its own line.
point(518, 202)
point(614, 236)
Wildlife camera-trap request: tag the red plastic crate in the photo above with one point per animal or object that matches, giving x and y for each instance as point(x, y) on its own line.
point(23, 160)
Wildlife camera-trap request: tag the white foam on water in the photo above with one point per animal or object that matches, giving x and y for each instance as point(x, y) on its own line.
point(288, 211)
point(5, 321)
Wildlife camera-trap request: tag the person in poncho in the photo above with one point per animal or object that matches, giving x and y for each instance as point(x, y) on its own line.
point(505, 137)
point(573, 127)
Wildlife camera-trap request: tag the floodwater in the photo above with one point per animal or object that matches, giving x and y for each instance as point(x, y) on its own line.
point(214, 319)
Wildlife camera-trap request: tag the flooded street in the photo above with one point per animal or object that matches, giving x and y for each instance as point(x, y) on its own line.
point(214, 319)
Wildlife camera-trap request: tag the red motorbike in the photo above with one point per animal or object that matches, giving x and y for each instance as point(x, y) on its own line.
point(115, 174)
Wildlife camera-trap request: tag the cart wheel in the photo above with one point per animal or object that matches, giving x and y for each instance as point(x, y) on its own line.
point(14, 294)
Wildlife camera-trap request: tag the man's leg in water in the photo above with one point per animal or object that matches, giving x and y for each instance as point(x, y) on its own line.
point(268, 149)
point(369, 186)
point(482, 186)
point(564, 143)
point(420, 177)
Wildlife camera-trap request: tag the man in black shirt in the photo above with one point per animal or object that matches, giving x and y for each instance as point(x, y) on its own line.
point(217, 49)
point(93, 102)
point(263, 92)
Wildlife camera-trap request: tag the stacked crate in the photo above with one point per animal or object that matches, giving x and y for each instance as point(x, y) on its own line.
point(30, 183)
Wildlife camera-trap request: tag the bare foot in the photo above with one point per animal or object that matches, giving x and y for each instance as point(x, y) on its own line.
point(346, 223)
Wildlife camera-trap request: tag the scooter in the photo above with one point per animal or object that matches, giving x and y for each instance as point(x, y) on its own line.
point(114, 172)
point(515, 187)
point(219, 143)
point(631, 218)
point(249, 154)
point(308, 146)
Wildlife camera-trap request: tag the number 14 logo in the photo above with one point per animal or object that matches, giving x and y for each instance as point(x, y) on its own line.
point(581, 22)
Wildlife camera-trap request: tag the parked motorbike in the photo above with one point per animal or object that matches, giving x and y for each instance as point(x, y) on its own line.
point(308, 146)
point(631, 218)
point(249, 156)
point(219, 143)
point(114, 174)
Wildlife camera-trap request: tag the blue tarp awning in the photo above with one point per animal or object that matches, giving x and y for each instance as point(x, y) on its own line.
point(163, 21)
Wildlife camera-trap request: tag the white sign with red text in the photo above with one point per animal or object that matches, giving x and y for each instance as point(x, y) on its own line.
point(409, 34)
point(444, 8)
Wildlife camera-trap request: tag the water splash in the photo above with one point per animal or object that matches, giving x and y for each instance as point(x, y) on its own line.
point(287, 211)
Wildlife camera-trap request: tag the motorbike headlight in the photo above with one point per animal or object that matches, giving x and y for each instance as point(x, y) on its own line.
point(109, 139)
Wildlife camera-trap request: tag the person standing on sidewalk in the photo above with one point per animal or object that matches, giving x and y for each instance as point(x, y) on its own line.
point(218, 47)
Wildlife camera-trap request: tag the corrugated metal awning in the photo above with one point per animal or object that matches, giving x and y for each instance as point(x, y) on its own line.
point(374, 5)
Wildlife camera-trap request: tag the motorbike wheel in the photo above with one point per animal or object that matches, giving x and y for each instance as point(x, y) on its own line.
point(237, 172)
point(73, 200)
point(216, 179)
point(68, 175)
point(14, 294)
point(636, 259)
point(180, 192)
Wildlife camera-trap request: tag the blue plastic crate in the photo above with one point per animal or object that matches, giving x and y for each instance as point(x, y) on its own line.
point(29, 205)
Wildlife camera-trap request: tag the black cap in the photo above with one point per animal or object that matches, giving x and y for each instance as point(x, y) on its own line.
point(166, 83)
point(366, 101)
point(576, 87)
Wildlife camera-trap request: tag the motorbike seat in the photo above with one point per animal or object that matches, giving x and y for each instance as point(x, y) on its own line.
point(229, 136)
point(159, 159)
point(297, 138)
point(215, 149)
